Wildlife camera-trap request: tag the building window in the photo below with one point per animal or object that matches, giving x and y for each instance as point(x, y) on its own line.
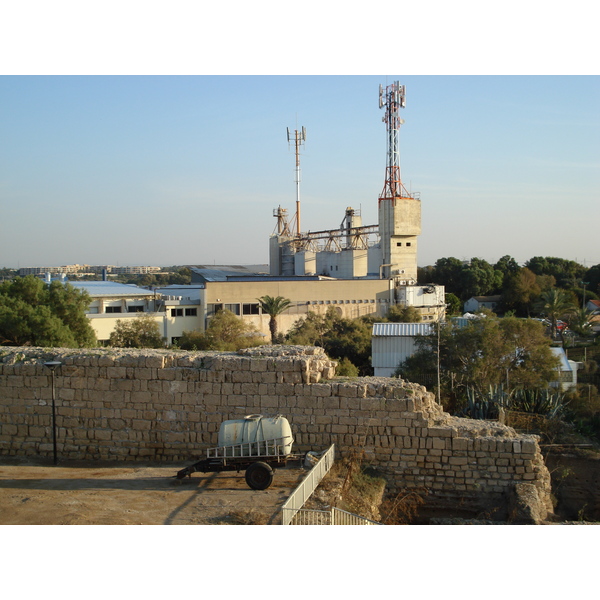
point(213, 309)
point(135, 309)
point(113, 309)
point(408, 243)
point(250, 309)
point(234, 308)
point(177, 312)
point(398, 243)
point(191, 312)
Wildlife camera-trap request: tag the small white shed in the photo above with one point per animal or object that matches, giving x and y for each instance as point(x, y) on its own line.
point(392, 343)
point(567, 375)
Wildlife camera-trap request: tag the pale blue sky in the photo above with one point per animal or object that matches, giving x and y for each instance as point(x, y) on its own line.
point(165, 170)
point(153, 134)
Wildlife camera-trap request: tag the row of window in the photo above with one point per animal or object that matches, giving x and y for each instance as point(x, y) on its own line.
point(119, 309)
point(184, 312)
point(344, 301)
point(175, 312)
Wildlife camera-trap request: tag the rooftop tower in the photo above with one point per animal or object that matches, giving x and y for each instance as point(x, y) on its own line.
point(399, 210)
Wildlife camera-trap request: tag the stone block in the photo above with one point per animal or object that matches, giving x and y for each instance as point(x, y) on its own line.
point(459, 443)
point(439, 443)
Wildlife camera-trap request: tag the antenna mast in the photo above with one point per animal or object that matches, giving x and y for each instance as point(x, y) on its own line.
point(299, 138)
point(392, 99)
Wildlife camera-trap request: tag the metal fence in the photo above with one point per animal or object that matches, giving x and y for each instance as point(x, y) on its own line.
point(335, 516)
point(273, 447)
point(303, 492)
point(292, 512)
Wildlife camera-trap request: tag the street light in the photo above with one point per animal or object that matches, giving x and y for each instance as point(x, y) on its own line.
point(52, 365)
point(584, 283)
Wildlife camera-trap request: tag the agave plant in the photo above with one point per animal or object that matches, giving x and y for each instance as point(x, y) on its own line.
point(486, 406)
point(546, 402)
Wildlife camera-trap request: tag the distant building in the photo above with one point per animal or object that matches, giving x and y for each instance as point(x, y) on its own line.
point(112, 301)
point(393, 343)
point(81, 269)
point(476, 303)
point(567, 371)
point(350, 298)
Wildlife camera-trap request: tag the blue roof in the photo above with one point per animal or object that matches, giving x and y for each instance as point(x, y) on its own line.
point(110, 288)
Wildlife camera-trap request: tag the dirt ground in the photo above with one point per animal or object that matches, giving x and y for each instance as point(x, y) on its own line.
point(85, 493)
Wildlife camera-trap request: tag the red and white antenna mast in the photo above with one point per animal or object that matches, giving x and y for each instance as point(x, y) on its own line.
point(298, 139)
point(392, 99)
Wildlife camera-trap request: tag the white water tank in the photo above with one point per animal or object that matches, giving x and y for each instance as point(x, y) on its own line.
point(257, 428)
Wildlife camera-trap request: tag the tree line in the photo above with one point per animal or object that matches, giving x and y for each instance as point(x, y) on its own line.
point(519, 286)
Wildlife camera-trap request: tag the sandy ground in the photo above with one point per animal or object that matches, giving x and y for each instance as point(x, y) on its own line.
point(85, 493)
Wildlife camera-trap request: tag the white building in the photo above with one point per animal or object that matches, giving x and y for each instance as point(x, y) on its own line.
point(111, 302)
point(567, 371)
point(476, 303)
point(393, 343)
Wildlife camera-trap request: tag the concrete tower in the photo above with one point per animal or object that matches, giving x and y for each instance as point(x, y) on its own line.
point(399, 210)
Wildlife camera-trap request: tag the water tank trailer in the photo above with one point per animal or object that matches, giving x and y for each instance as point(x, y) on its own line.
point(255, 444)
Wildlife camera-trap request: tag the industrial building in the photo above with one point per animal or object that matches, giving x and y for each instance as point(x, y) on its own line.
point(355, 269)
point(374, 265)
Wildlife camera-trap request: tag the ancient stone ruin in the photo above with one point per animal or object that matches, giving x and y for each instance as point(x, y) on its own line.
point(167, 405)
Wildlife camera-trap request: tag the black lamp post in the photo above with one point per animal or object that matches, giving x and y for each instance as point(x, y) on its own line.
point(52, 366)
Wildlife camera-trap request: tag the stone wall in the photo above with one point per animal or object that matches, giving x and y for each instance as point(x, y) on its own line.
point(168, 405)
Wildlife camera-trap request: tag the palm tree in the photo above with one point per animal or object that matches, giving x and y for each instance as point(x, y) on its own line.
point(554, 304)
point(581, 321)
point(273, 307)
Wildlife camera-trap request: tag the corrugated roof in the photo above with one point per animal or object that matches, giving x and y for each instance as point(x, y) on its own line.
point(110, 288)
point(401, 329)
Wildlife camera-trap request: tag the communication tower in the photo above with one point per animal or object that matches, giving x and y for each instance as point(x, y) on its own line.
point(399, 210)
point(298, 139)
point(392, 99)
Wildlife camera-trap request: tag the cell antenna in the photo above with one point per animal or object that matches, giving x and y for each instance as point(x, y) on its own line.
point(298, 139)
point(392, 98)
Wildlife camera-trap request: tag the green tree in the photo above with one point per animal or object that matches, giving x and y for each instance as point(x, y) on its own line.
point(50, 315)
point(519, 291)
point(225, 332)
point(403, 314)
point(486, 352)
point(580, 321)
point(555, 304)
point(453, 304)
point(447, 272)
point(346, 369)
point(566, 272)
point(479, 278)
point(273, 307)
point(592, 277)
point(140, 332)
point(339, 336)
point(508, 266)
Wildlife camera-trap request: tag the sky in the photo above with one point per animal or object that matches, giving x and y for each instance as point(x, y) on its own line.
point(100, 166)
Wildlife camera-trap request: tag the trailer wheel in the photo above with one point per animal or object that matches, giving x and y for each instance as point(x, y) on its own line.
point(259, 476)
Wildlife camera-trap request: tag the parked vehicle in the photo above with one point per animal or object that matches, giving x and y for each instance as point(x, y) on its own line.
point(255, 444)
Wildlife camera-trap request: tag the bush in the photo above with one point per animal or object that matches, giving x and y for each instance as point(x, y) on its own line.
point(346, 369)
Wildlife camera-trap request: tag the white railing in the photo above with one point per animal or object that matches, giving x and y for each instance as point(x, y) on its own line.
point(274, 447)
point(292, 512)
point(341, 517)
point(311, 517)
point(335, 516)
point(303, 492)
